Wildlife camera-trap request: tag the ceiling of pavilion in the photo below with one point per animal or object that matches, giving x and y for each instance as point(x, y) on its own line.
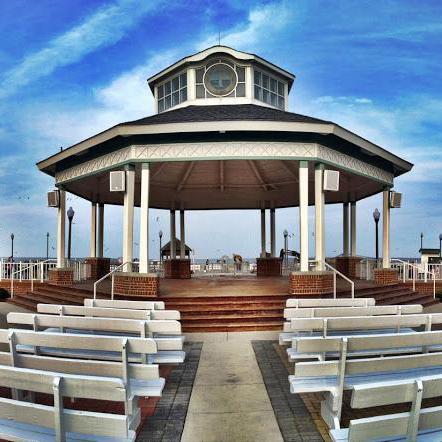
point(226, 184)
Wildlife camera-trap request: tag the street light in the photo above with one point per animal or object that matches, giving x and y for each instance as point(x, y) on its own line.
point(12, 246)
point(70, 214)
point(440, 245)
point(376, 217)
point(422, 240)
point(160, 234)
point(47, 245)
point(286, 234)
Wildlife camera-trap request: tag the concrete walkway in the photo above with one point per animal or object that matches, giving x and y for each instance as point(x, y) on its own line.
point(229, 400)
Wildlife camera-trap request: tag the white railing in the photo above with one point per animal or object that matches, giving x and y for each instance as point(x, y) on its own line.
point(112, 275)
point(365, 268)
point(216, 268)
point(414, 272)
point(82, 270)
point(337, 273)
point(30, 272)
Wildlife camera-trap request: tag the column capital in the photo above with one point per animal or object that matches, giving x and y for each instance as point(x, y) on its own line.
point(319, 166)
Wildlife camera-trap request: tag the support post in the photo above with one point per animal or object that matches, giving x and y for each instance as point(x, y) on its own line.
point(144, 219)
point(93, 239)
point(263, 233)
point(386, 230)
point(353, 228)
point(319, 218)
point(172, 234)
point(272, 232)
point(182, 235)
point(61, 231)
point(303, 214)
point(100, 236)
point(128, 218)
point(345, 228)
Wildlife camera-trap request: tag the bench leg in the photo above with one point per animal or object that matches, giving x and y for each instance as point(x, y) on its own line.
point(329, 413)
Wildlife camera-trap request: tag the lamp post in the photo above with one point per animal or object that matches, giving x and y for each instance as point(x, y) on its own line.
point(422, 240)
point(47, 245)
point(160, 234)
point(376, 217)
point(12, 246)
point(440, 245)
point(70, 214)
point(286, 234)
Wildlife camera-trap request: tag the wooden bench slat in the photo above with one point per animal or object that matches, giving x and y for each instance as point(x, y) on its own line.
point(121, 303)
point(339, 302)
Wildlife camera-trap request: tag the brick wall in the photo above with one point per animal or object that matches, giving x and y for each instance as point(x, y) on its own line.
point(98, 267)
point(20, 288)
point(146, 285)
point(61, 277)
point(347, 265)
point(176, 268)
point(310, 283)
point(385, 276)
point(424, 287)
point(268, 266)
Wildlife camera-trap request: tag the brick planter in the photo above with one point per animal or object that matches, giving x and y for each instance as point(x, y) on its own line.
point(268, 266)
point(20, 288)
point(311, 283)
point(386, 276)
point(348, 265)
point(98, 267)
point(143, 285)
point(61, 277)
point(176, 268)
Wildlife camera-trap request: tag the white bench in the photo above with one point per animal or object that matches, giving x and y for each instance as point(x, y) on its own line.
point(106, 356)
point(107, 312)
point(25, 421)
point(347, 326)
point(293, 316)
point(330, 303)
point(335, 376)
point(132, 305)
point(419, 424)
point(166, 333)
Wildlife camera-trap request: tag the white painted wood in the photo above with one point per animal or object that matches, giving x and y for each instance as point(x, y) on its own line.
point(319, 217)
point(100, 233)
point(303, 214)
point(93, 238)
point(182, 235)
point(133, 305)
point(324, 303)
point(353, 228)
point(128, 218)
point(61, 230)
point(273, 232)
point(345, 229)
point(172, 234)
point(318, 312)
point(263, 233)
point(386, 229)
point(144, 219)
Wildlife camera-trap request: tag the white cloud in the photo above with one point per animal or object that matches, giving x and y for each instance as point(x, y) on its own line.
point(103, 28)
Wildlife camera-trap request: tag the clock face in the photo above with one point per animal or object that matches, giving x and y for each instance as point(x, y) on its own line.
point(220, 79)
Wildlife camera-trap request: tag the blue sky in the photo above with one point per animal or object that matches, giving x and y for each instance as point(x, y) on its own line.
point(71, 69)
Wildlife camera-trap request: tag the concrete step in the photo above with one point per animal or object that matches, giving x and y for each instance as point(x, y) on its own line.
point(19, 301)
point(45, 298)
point(257, 316)
point(232, 327)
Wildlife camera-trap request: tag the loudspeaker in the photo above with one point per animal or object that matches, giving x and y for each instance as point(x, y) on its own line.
point(54, 198)
point(395, 200)
point(331, 180)
point(117, 181)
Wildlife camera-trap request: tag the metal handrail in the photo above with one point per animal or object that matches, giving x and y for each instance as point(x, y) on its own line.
point(337, 272)
point(111, 273)
point(30, 266)
point(416, 268)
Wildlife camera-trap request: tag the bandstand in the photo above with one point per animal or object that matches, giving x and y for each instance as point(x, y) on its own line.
point(222, 138)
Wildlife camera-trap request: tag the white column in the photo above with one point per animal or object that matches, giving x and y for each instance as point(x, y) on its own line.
point(263, 233)
point(319, 217)
point(182, 236)
point(128, 218)
point(272, 233)
point(100, 235)
point(345, 228)
point(353, 227)
point(144, 219)
point(61, 231)
point(172, 234)
point(303, 214)
point(93, 238)
point(386, 230)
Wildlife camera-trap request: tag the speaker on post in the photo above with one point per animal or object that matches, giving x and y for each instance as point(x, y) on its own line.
point(395, 200)
point(54, 198)
point(331, 180)
point(117, 180)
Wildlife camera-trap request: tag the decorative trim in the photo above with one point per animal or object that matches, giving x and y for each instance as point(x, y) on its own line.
point(224, 151)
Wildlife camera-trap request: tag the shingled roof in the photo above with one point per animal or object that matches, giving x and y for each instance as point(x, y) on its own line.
point(238, 112)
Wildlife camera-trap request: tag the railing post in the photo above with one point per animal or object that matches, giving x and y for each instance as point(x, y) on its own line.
point(32, 278)
point(1, 269)
point(112, 287)
point(414, 279)
point(334, 285)
point(403, 271)
point(42, 272)
point(20, 271)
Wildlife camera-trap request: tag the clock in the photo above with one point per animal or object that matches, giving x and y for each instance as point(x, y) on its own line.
point(220, 79)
